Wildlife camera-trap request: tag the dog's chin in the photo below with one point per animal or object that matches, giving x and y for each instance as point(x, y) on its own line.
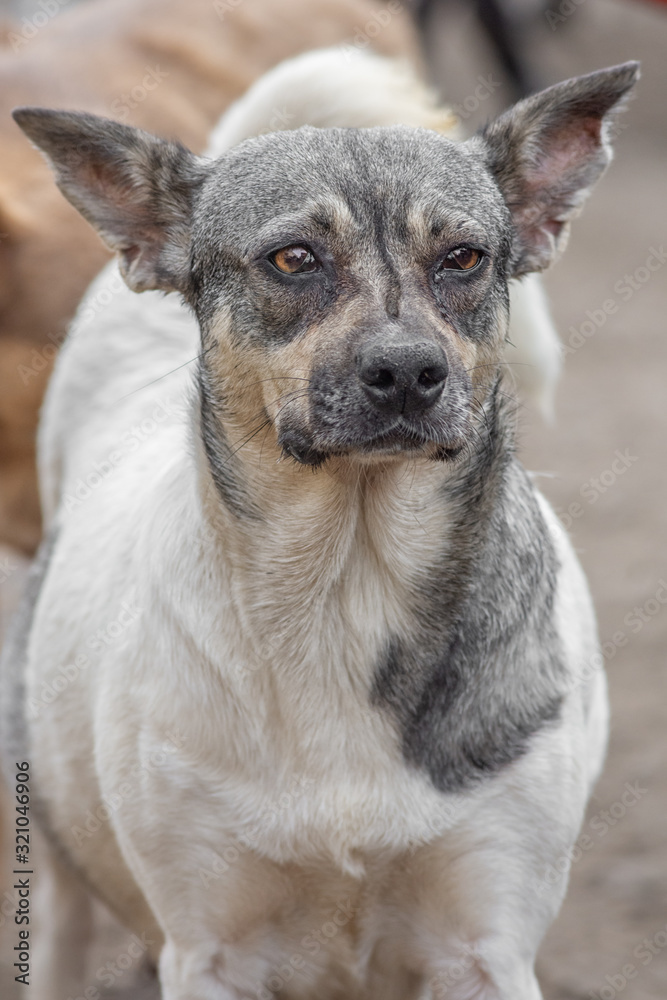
point(301, 446)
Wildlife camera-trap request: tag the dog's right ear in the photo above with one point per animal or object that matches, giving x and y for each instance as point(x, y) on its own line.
point(137, 190)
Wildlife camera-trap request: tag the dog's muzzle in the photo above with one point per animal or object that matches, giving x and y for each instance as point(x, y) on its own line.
point(394, 392)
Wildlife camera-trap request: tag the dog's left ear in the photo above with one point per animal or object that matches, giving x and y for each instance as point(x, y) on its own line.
point(137, 190)
point(547, 152)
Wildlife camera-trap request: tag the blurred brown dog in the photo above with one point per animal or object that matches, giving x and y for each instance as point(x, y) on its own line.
point(170, 66)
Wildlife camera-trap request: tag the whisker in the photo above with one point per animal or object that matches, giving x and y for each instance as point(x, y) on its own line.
point(293, 394)
point(275, 378)
point(247, 441)
point(480, 408)
point(514, 399)
point(197, 357)
point(261, 448)
point(507, 364)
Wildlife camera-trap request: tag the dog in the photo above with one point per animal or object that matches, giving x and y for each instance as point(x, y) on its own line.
point(309, 670)
point(171, 66)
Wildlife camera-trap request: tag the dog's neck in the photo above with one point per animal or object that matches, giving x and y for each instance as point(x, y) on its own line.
point(295, 539)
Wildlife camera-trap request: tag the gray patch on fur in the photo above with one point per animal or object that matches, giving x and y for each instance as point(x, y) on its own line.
point(483, 671)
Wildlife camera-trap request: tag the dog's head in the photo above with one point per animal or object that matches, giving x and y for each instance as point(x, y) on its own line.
point(351, 285)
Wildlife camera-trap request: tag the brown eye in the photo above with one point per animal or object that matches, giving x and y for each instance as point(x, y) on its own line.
point(461, 259)
point(295, 260)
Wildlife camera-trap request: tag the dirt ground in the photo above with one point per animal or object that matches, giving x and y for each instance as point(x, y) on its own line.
point(604, 467)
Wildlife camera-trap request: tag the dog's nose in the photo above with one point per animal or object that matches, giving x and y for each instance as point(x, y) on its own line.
point(402, 378)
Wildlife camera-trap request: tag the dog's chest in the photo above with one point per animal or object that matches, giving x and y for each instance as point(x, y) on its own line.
point(317, 769)
point(332, 787)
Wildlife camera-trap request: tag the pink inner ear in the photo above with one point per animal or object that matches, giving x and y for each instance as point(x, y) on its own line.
point(130, 254)
point(554, 227)
point(565, 150)
point(555, 177)
point(121, 210)
point(108, 183)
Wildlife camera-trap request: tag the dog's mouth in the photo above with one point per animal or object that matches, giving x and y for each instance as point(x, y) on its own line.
point(402, 439)
point(349, 421)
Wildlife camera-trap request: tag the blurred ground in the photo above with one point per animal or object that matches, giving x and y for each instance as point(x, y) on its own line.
point(611, 937)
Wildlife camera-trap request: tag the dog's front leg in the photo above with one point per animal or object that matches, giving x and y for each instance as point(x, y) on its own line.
point(213, 935)
point(214, 899)
point(479, 915)
point(479, 899)
point(188, 972)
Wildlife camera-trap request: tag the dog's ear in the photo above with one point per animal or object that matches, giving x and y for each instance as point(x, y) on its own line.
point(546, 153)
point(136, 190)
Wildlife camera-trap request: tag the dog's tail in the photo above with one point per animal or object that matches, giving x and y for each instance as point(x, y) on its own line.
point(344, 87)
point(349, 87)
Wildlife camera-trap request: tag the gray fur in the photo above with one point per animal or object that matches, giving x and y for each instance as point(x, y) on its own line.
point(14, 740)
point(137, 190)
point(226, 470)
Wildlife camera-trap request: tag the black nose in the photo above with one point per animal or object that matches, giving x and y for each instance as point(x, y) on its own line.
point(402, 378)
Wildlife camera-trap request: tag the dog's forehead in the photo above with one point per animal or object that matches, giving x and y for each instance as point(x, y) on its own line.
point(343, 179)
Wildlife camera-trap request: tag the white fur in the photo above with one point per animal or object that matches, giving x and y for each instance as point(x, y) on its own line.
point(232, 705)
point(533, 352)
